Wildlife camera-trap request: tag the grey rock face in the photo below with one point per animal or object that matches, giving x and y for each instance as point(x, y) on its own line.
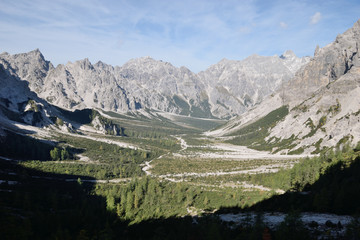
point(224, 90)
point(18, 102)
point(31, 66)
point(323, 98)
point(328, 64)
point(235, 86)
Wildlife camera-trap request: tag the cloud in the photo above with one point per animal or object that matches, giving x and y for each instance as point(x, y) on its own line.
point(283, 25)
point(195, 34)
point(315, 18)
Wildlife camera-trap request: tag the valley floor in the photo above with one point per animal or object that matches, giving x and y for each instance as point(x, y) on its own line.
point(169, 172)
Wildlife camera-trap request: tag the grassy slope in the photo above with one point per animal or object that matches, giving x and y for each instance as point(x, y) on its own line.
point(254, 134)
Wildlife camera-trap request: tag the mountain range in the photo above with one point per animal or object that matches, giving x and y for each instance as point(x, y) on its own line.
point(224, 90)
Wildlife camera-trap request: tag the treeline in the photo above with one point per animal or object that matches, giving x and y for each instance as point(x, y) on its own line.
point(153, 134)
point(328, 183)
point(148, 198)
point(93, 170)
point(18, 146)
point(308, 170)
point(106, 161)
point(60, 154)
point(36, 208)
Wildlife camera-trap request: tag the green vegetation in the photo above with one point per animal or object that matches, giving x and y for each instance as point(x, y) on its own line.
point(59, 122)
point(109, 126)
point(317, 146)
point(105, 210)
point(148, 198)
point(182, 104)
point(83, 116)
point(254, 134)
point(310, 171)
point(93, 170)
point(57, 196)
point(334, 109)
point(175, 165)
point(106, 161)
point(105, 152)
point(36, 208)
point(309, 123)
point(331, 183)
point(60, 154)
point(322, 122)
point(33, 106)
point(299, 150)
point(263, 124)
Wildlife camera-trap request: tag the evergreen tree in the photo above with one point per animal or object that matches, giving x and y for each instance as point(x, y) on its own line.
point(55, 154)
point(64, 154)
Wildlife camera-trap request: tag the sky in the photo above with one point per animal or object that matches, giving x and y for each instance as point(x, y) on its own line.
point(191, 33)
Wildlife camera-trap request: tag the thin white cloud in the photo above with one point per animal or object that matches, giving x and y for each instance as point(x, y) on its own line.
point(315, 18)
point(283, 25)
point(190, 33)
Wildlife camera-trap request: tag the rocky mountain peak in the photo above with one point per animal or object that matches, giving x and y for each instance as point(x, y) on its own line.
point(253, 57)
point(288, 54)
point(84, 64)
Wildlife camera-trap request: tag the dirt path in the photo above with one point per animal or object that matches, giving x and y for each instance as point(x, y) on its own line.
point(261, 169)
point(183, 143)
point(115, 180)
point(104, 140)
point(147, 167)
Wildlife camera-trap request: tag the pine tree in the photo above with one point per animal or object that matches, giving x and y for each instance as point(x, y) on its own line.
point(64, 154)
point(110, 202)
point(55, 154)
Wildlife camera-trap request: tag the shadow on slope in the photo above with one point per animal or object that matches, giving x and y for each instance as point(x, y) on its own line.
point(38, 205)
point(17, 146)
point(336, 191)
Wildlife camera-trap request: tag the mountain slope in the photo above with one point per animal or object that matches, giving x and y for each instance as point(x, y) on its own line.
point(322, 99)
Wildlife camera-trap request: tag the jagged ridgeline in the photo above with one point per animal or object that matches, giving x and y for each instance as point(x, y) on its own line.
point(225, 89)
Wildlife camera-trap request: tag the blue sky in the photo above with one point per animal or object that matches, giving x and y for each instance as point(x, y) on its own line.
point(191, 33)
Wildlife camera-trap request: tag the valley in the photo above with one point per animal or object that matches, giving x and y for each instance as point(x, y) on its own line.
point(150, 151)
point(180, 170)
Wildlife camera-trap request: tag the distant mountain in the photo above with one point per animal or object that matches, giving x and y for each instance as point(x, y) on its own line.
point(235, 86)
point(224, 90)
point(323, 101)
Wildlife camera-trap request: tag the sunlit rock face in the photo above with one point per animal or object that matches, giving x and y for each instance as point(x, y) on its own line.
point(224, 90)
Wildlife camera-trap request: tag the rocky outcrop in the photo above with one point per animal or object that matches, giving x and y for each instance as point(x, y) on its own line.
point(328, 65)
point(106, 126)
